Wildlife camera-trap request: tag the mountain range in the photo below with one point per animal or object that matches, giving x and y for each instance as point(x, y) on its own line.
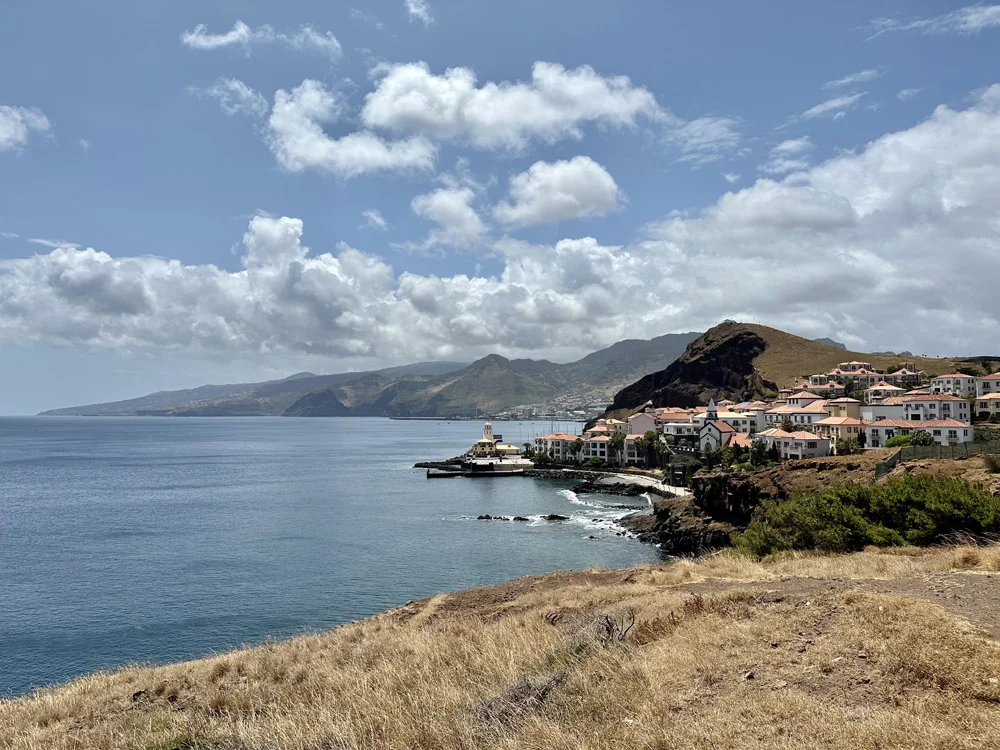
point(428, 389)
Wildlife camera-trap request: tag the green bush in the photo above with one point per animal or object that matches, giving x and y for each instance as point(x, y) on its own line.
point(898, 441)
point(921, 437)
point(909, 510)
point(595, 462)
point(992, 462)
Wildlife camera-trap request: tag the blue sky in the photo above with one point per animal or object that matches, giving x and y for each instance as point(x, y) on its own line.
point(220, 191)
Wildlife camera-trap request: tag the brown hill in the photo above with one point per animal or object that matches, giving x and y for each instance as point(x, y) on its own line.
point(741, 361)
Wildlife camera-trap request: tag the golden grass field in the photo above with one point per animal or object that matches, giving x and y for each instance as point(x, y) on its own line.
point(881, 649)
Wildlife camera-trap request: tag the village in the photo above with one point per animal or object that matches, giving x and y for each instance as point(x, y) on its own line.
point(852, 408)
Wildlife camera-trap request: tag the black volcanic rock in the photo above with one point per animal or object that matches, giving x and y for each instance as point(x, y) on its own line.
point(717, 365)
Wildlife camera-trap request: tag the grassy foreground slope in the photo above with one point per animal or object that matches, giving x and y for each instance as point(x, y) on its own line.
point(875, 649)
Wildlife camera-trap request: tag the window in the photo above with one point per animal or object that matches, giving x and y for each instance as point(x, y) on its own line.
point(952, 434)
point(812, 445)
point(937, 433)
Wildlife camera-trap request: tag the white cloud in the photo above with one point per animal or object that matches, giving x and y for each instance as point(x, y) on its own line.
point(83, 143)
point(788, 156)
point(374, 219)
point(731, 177)
point(298, 141)
point(18, 123)
point(234, 97)
point(558, 191)
point(368, 18)
point(458, 222)
point(972, 19)
point(861, 77)
point(306, 38)
point(836, 107)
point(420, 10)
point(907, 94)
point(895, 226)
point(554, 105)
point(705, 139)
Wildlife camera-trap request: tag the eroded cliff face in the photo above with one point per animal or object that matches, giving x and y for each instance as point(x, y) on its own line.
point(719, 365)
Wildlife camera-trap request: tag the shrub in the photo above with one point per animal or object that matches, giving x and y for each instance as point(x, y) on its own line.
point(986, 435)
point(992, 462)
point(921, 437)
point(848, 447)
point(909, 510)
point(994, 419)
point(595, 462)
point(898, 441)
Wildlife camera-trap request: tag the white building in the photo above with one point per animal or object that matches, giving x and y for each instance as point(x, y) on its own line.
point(801, 414)
point(881, 391)
point(989, 384)
point(558, 445)
point(935, 407)
point(795, 445)
point(641, 423)
point(596, 446)
point(943, 431)
point(988, 406)
point(955, 384)
point(886, 410)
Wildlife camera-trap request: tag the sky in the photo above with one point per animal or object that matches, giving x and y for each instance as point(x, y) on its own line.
point(219, 191)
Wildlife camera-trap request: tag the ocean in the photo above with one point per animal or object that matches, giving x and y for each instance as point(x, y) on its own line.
point(151, 540)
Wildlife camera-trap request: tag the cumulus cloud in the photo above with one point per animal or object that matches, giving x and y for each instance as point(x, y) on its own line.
point(552, 192)
point(554, 105)
point(877, 243)
point(835, 107)
point(298, 141)
point(420, 10)
point(451, 209)
point(970, 20)
point(861, 77)
point(306, 38)
point(374, 219)
point(788, 156)
point(234, 97)
point(18, 123)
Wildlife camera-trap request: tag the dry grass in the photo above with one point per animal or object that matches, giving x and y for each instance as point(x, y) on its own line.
point(789, 359)
point(725, 652)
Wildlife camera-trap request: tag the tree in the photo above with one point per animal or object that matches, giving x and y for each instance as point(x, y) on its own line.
point(649, 442)
point(577, 448)
point(848, 446)
point(786, 425)
point(529, 450)
point(615, 445)
point(898, 441)
point(774, 453)
point(758, 453)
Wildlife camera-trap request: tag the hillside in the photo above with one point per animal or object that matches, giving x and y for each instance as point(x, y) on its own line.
point(880, 649)
point(426, 389)
point(496, 383)
point(741, 361)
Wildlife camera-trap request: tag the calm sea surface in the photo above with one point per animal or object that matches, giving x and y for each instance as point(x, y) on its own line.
point(155, 540)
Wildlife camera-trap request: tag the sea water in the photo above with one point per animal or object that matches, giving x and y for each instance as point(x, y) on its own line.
point(152, 540)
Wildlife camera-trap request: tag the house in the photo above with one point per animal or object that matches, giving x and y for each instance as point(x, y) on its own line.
point(836, 429)
point(793, 445)
point(844, 407)
point(715, 435)
point(956, 384)
point(631, 451)
point(943, 431)
point(596, 446)
point(829, 389)
point(988, 385)
point(881, 391)
point(988, 406)
point(799, 416)
point(617, 425)
point(906, 375)
point(891, 408)
point(558, 445)
point(933, 407)
point(641, 423)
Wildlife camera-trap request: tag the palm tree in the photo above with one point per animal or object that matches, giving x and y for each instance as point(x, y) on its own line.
point(577, 448)
point(615, 445)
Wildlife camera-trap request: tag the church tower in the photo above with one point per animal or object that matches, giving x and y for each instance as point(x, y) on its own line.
point(488, 432)
point(713, 412)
